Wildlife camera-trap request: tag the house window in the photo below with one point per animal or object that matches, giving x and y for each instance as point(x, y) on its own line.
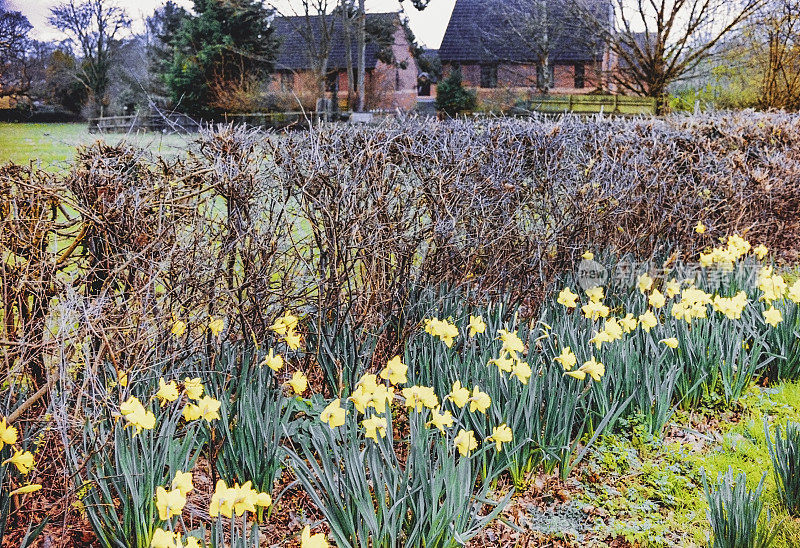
point(580, 75)
point(287, 81)
point(488, 76)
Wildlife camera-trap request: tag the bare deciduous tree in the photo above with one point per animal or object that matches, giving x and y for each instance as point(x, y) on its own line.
point(660, 42)
point(94, 27)
point(776, 32)
point(311, 20)
point(14, 44)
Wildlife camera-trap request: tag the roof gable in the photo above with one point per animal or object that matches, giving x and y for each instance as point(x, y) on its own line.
point(480, 31)
point(293, 48)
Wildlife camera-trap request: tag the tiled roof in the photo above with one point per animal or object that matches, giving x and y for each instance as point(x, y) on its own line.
point(293, 51)
point(479, 32)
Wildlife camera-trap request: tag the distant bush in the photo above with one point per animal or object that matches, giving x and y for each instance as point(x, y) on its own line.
point(452, 97)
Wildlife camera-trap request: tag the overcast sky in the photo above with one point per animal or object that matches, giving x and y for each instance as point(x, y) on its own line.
point(428, 25)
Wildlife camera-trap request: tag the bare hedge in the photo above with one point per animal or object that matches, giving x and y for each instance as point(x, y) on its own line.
point(343, 223)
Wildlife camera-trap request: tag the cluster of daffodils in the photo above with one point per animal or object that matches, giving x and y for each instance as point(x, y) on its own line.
point(375, 394)
point(689, 303)
point(198, 405)
point(286, 328)
point(727, 255)
point(236, 500)
point(510, 358)
point(23, 460)
point(568, 361)
point(443, 329)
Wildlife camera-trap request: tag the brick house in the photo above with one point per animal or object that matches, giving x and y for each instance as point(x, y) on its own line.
point(499, 56)
point(390, 69)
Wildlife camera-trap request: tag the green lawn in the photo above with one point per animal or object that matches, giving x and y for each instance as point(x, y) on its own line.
point(52, 145)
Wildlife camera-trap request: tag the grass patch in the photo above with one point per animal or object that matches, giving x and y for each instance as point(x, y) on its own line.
point(52, 145)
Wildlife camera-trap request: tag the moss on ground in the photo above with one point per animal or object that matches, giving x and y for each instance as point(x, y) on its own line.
point(649, 492)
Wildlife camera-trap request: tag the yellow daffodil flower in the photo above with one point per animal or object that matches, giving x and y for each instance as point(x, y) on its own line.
point(479, 401)
point(418, 397)
point(245, 499)
point(628, 323)
point(361, 399)
point(644, 282)
point(382, 396)
point(167, 392)
point(773, 316)
point(307, 540)
point(588, 255)
point(264, 500)
point(465, 442)
point(333, 414)
point(595, 310)
point(222, 500)
point(209, 408)
point(503, 363)
point(440, 420)
point(760, 251)
point(191, 412)
point(793, 294)
point(273, 361)
point(672, 288)
point(164, 539)
point(8, 433)
point(169, 503)
point(648, 321)
point(511, 343)
point(122, 378)
point(671, 342)
point(395, 371)
point(459, 395)
point(596, 294)
point(23, 460)
point(657, 299)
point(135, 413)
point(442, 329)
point(293, 340)
point(298, 382)
point(500, 435)
point(567, 298)
point(522, 371)
point(216, 326)
point(567, 358)
point(285, 324)
point(476, 325)
point(594, 368)
point(193, 388)
point(375, 426)
point(182, 482)
point(178, 328)
point(700, 228)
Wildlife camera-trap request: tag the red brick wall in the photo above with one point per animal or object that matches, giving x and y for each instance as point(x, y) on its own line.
point(524, 76)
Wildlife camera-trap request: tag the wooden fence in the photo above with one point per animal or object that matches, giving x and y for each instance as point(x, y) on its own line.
point(168, 123)
point(594, 104)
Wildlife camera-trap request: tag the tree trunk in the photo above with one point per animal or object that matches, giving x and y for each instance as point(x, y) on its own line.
point(348, 43)
point(362, 52)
